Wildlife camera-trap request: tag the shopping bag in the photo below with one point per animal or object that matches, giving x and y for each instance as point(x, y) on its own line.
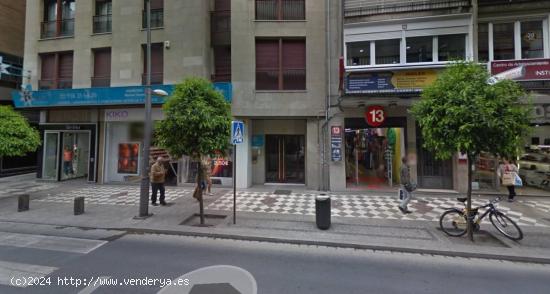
point(400, 194)
point(508, 179)
point(517, 180)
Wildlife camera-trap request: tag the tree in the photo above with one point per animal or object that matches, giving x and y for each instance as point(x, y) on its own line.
point(197, 123)
point(17, 137)
point(461, 112)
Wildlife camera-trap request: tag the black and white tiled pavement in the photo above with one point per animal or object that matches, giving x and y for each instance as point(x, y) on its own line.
point(357, 206)
point(112, 195)
point(18, 188)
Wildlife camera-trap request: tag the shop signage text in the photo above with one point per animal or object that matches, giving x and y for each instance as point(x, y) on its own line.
point(535, 69)
point(389, 82)
point(375, 115)
point(336, 143)
point(131, 114)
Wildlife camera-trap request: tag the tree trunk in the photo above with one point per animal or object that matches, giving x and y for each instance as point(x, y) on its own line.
point(200, 178)
point(469, 201)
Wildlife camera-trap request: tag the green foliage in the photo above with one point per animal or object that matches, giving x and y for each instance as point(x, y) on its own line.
point(197, 120)
point(17, 137)
point(461, 112)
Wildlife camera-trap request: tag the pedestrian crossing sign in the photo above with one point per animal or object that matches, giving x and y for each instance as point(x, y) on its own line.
point(237, 132)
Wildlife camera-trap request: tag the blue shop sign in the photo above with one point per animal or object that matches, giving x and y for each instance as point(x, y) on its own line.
point(97, 96)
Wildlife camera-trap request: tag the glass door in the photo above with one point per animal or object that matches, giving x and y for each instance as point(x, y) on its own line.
point(285, 159)
point(51, 152)
point(75, 155)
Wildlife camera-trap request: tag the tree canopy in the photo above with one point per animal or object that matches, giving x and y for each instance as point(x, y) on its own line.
point(461, 112)
point(17, 137)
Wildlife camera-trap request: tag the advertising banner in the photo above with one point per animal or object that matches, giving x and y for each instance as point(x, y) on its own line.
point(534, 69)
point(390, 81)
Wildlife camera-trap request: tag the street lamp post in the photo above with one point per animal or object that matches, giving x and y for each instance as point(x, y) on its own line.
point(144, 188)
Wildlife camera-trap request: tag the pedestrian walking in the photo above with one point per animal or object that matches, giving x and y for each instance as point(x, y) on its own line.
point(406, 185)
point(508, 172)
point(207, 170)
point(158, 176)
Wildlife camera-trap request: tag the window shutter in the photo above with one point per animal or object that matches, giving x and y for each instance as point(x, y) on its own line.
point(48, 67)
point(157, 4)
point(294, 64)
point(102, 63)
point(66, 66)
point(267, 64)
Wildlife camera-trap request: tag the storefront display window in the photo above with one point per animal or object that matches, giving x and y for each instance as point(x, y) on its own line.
point(221, 169)
point(532, 39)
point(535, 167)
point(358, 53)
point(128, 158)
point(420, 49)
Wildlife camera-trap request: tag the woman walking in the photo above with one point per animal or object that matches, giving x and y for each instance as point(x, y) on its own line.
point(508, 172)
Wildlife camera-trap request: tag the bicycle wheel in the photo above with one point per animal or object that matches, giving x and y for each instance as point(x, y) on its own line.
point(453, 223)
point(506, 225)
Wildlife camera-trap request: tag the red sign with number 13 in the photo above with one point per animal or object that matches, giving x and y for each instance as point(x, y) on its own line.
point(375, 115)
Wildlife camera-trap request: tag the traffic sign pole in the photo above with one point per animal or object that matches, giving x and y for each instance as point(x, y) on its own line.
point(234, 184)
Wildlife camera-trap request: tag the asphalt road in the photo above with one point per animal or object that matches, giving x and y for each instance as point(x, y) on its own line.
point(276, 268)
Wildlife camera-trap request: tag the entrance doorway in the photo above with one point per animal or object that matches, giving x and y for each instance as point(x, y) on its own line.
point(432, 173)
point(66, 155)
point(285, 159)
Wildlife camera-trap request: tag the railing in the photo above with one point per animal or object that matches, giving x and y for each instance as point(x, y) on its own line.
point(222, 76)
point(50, 84)
point(270, 79)
point(98, 82)
point(102, 24)
point(156, 79)
point(157, 18)
point(354, 8)
point(294, 79)
point(280, 10)
point(220, 26)
point(53, 29)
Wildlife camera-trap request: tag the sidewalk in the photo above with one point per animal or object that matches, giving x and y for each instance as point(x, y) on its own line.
point(359, 221)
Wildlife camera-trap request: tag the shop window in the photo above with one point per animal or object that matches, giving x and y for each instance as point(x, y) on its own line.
point(451, 47)
point(419, 49)
point(532, 40)
point(483, 42)
point(102, 67)
point(358, 53)
point(387, 51)
point(281, 64)
point(503, 41)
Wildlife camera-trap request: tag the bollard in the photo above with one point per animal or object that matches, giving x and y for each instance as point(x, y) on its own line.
point(322, 211)
point(23, 203)
point(78, 205)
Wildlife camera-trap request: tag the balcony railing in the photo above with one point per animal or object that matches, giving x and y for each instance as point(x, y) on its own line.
point(355, 8)
point(280, 10)
point(288, 79)
point(220, 28)
point(98, 82)
point(156, 79)
point(50, 84)
point(102, 24)
point(222, 76)
point(61, 28)
point(157, 18)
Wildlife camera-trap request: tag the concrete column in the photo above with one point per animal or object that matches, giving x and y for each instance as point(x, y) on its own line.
point(411, 144)
point(313, 158)
point(337, 170)
point(244, 158)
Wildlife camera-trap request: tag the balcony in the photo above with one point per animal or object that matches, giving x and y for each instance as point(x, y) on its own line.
point(55, 29)
point(280, 10)
point(102, 24)
point(101, 82)
point(220, 26)
point(157, 18)
point(357, 8)
point(156, 79)
point(51, 84)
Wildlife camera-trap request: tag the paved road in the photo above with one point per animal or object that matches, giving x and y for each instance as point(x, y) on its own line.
point(277, 268)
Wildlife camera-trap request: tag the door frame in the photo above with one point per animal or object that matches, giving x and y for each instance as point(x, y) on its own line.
point(283, 171)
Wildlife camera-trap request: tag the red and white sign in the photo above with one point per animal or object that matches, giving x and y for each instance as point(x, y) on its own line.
point(336, 131)
point(534, 69)
point(375, 115)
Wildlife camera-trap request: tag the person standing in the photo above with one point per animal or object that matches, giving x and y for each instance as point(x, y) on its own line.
point(406, 185)
point(509, 169)
point(207, 169)
point(68, 160)
point(158, 175)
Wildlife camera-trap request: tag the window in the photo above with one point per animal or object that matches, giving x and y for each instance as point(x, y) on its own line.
point(222, 64)
point(102, 67)
point(358, 53)
point(157, 64)
point(58, 18)
point(420, 49)
point(280, 10)
point(451, 47)
point(532, 39)
point(503, 41)
point(103, 16)
point(56, 71)
point(483, 42)
point(281, 64)
point(157, 14)
point(387, 51)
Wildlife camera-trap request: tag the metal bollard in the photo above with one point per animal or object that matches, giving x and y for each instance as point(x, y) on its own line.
point(78, 205)
point(322, 211)
point(23, 203)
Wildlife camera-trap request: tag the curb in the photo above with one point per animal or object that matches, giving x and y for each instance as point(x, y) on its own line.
point(463, 254)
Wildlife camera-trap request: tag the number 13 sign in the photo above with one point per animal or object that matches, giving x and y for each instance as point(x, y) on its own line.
point(375, 115)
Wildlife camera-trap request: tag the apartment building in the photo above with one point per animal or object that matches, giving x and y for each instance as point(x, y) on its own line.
point(12, 26)
point(87, 65)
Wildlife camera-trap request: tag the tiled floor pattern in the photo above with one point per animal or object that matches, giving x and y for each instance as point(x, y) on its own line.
point(358, 206)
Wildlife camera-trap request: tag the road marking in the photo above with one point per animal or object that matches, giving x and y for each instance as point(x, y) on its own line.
point(12, 270)
point(94, 286)
point(63, 244)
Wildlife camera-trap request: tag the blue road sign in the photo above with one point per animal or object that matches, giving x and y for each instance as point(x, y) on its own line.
point(237, 132)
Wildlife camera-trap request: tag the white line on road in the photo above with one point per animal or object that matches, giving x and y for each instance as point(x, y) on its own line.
point(12, 273)
point(63, 244)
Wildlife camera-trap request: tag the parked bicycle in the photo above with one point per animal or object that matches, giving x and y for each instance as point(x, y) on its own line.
point(454, 221)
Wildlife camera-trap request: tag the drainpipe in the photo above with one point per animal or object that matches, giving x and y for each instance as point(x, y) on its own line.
point(328, 60)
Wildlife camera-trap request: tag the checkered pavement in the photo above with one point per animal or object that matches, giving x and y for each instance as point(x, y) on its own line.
point(112, 195)
point(539, 205)
point(358, 206)
point(18, 188)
